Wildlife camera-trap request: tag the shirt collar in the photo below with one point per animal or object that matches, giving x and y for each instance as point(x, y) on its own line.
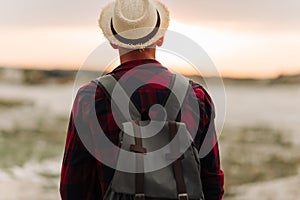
point(135, 63)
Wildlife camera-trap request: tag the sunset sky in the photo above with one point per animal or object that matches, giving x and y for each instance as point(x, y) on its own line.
point(258, 38)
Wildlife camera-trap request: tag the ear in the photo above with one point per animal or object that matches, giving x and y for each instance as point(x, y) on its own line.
point(114, 46)
point(160, 42)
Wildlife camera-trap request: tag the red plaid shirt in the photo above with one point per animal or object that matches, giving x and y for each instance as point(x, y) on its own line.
point(84, 177)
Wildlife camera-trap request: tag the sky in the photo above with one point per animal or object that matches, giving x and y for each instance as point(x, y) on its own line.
point(258, 38)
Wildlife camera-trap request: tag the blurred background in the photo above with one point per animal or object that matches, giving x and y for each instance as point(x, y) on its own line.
point(255, 46)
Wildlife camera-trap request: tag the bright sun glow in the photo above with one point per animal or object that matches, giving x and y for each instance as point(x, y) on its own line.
point(218, 44)
point(245, 54)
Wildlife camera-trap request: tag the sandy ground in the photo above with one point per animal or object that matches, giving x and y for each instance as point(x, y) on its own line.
point(284, 188)
point(29, 181)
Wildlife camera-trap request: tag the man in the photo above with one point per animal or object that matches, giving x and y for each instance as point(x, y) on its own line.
point(135, 28)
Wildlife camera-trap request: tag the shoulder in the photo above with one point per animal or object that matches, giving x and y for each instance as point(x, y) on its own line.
point(90, 90)
point(204, 97)
point(87, 94)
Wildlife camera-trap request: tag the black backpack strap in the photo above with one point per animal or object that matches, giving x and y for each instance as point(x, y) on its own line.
point(177, 164)
point(108, 83)
point(139, 150)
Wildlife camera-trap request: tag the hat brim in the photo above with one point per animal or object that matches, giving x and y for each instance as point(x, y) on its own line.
point(105, 22)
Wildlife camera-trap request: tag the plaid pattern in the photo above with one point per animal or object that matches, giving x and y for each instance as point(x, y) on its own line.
point(83, 177)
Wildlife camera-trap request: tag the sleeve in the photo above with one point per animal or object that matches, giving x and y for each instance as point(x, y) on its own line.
point(79, 169)
point(212, 176)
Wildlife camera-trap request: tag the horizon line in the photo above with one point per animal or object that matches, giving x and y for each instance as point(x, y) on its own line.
point(222, 75)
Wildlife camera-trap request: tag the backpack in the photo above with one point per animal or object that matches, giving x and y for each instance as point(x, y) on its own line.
point(170, 151)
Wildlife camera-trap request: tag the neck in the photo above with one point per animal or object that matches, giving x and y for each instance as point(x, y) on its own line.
point(130, 55)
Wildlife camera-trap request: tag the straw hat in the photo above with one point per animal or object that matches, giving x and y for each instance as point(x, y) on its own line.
point(134, 24)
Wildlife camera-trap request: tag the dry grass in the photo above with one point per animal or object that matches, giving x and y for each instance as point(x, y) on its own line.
point(11, 102)
point(253, 154)
point(44, 141)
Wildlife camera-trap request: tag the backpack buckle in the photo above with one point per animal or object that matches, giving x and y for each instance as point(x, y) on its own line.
point(140, 196)
point(183, 196)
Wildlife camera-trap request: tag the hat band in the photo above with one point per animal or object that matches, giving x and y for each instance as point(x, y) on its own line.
point(139, 40)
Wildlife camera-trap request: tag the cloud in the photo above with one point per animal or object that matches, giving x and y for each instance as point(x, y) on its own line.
point(259, 14)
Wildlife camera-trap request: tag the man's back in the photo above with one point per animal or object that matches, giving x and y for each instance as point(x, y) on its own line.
point(84, 177)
